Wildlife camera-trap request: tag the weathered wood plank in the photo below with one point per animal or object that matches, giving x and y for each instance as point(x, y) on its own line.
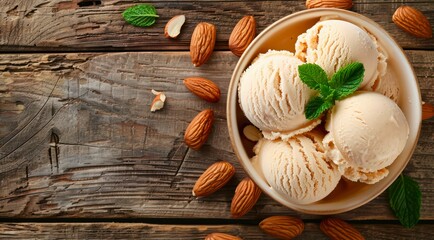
point(70, 25)
point(77, 139)
point(158, 231)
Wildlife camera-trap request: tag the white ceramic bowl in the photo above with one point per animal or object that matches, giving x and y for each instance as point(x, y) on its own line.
point(282, 35)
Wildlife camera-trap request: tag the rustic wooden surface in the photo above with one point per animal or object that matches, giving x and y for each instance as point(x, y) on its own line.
point(79, 145)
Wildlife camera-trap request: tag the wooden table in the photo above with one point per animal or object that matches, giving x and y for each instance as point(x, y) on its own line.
point(82, 157)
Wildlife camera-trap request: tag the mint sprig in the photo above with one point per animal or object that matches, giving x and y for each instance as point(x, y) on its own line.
point(405, 200)
point(343, 83)
point(142, 15)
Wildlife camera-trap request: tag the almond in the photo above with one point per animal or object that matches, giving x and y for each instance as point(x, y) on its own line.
point(173, 26)
point(203, 88)
point(246, 195)
point(412, 21)
point(199, 129)
point(343, 4)
point(252, 133)
point(202, 43)
point(221, 236)
point(427, 111)
point(282, 227)
point(158, 102)
point(214, 178)
point(336, 228)
point(242, 35)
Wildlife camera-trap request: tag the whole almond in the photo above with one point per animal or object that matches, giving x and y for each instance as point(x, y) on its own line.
point(202, 43)
point(427, 111)
point(214, 178)
point(203, 88)
point(199, 129)
point(282, 227)
point(343, 4)
point(246, 195)
point(242, 35)
point(412, 21)
point(221, 236)
point(336, 228)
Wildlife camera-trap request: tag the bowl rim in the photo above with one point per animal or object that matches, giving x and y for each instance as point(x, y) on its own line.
point(233, 96)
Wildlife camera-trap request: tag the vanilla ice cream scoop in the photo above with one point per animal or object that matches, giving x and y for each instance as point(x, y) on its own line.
point(333, 44)
point(273, 97)
point(297, 168)
point(367, 132)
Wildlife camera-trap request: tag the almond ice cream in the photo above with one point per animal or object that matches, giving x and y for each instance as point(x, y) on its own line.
point(297, 168)
point(367, 132)
point(273, 97)
point(333, 44)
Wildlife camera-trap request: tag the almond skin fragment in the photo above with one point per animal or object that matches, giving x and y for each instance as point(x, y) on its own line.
point(427, 111)
point(203, 88)
point(199, 129)
point(214, 178)
point(343, 4)
point(246, 195)
point(282, 227)
point(173, 26)
point(242, 35)
point(221, 236)
point(412, 21)
point(336, 228)
point(202, 43)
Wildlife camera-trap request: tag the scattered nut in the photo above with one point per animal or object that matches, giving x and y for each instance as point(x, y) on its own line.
point(343, 4)
point(427, 111)
point(214, 178)
point(282, 227)
point(412, 21)
point(158, 102)
point(173, 26)
point(336, 228)
point(246, 195)
point(199, 129)
point(203, 88)
point(252, 133)
point(242, 35)
point(221, 236)
point(202, 43)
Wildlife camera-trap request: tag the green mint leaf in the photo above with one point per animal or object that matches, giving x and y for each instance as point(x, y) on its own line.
point(312, 75)
point(405, 200)
point(316, 106)
point(142, 15)
point(347, 79)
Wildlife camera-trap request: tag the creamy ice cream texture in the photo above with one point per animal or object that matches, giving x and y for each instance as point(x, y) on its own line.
point(297, 168)
point(273, 97)
point(333, 44)
point(367, 132)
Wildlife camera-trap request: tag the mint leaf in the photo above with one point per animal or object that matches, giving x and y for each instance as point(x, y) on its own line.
point(142, 15)
point(312, 75)
point(405, 200)
point(347, 79)
point(315, 107)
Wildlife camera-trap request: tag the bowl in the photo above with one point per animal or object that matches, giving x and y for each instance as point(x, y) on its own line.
point(282, 35)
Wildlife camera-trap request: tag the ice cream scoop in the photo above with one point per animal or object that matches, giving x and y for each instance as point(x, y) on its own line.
point(273, 97)
point(333, 44)
point(297, 168)
point(387, 85)
point(367, 132)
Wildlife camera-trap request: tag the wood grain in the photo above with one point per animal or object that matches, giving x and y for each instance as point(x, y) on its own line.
point(91, 231)
point(76, 25)
point(77, 139)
